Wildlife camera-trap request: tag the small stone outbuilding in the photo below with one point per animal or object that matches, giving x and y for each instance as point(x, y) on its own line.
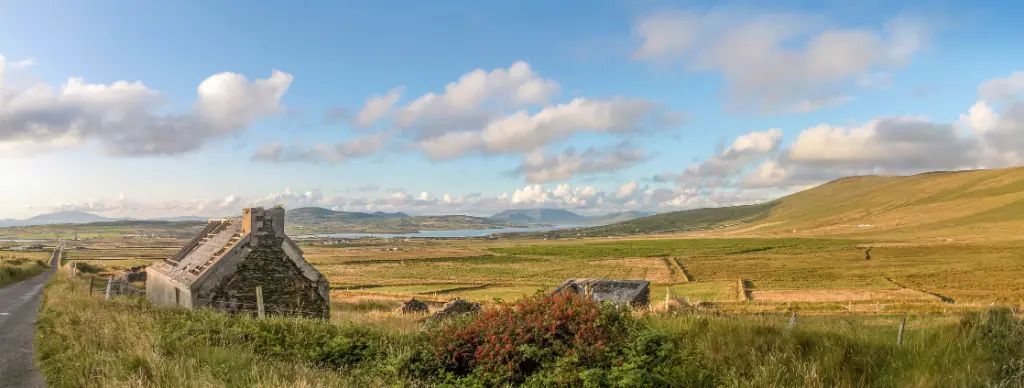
point(223, 265)
point(620, 292)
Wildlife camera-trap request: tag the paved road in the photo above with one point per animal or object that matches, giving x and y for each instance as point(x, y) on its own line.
point(19, 303)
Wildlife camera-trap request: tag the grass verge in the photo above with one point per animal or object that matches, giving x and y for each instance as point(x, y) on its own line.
point(84, 341)
point(18, 269)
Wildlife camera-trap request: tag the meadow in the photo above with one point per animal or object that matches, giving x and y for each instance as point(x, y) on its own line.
point(16, 266)
point(734, 275)
point(84, 341)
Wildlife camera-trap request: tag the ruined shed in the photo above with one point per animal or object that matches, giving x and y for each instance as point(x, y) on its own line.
point(224, 264)
point(619, 292)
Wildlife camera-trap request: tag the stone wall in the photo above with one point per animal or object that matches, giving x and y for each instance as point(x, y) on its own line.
point(162, 291)
point(286, 291)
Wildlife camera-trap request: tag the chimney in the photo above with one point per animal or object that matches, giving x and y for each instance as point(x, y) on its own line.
point(258, 221)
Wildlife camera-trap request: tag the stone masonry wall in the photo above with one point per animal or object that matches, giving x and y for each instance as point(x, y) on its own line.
point(285, 290)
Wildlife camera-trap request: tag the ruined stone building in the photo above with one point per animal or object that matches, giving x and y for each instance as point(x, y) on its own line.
point(223, 265)
point(620, 292)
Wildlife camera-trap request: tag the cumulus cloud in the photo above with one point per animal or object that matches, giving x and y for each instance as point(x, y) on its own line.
point(121, 117)
point(627, 189)
point(987, 136)
point(507, 111)
point(525, 132)
point(377, 107)
point(539, 167)
point(360, 146)
point(777, 61)
point(474, 97)
point(743, 150)
point(1002, 88)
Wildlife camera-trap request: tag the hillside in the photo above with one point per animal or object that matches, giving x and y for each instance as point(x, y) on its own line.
point(68, 217)
point(314, 220)
point(974, 204)
point(687, 220)
point(539, 215)
point(317, 214)
point(559, 216)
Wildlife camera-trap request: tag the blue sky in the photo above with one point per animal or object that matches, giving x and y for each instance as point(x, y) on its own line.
point(645, 105)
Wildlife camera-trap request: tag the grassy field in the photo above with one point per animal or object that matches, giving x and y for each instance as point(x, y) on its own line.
point(816, 274)
point(84, 341)
point(17, 268)
point(102, 230)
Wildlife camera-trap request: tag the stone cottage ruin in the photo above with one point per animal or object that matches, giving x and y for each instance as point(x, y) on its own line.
point(224, 264)
point(619, 292)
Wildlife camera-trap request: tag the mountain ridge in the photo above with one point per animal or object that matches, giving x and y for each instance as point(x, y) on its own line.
point(951, 205)
point(547, 215)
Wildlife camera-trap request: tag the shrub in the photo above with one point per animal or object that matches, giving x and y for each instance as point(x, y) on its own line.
point(560, 335)
point(85, 267)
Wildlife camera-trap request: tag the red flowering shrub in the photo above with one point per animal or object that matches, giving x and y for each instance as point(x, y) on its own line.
point(508, 343)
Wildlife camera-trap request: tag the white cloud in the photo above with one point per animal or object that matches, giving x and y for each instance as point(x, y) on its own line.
point(507, 111)
point(763, 67)
point(360, 146)
point(627, 189)
point(524, 132)
point(27, 62)
point(121, 116)
point(1003, 88)
point(461, 101)
point(377, 107)
point(538, 167)
point(744, 150)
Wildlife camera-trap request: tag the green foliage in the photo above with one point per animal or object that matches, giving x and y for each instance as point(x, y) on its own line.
point(86, 267)
point(563, 340)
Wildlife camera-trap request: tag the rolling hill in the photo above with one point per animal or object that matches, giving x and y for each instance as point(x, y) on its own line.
point(315, 220)
point(961, 204)
point(68, 217)
point(539, 215)
point(317, 214)
point(559, 216)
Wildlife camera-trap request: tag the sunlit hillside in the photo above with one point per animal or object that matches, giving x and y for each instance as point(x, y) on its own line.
point(978, 204)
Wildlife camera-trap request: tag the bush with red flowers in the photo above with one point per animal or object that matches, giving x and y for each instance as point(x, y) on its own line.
point(563, 334)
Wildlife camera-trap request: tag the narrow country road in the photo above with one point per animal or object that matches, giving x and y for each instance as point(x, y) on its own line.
point(19, 303)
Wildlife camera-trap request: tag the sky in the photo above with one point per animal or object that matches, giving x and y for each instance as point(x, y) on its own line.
point(155, 109)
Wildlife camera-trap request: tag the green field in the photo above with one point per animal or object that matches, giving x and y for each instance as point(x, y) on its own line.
point(775, 270)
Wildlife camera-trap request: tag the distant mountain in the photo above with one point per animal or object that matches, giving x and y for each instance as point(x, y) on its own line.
point(391, 215)
point(539, 216)
point(181, 218)
point(77, 217)
point(559, 216)
point(318, 214)
point(612, 218)
point(68, 217)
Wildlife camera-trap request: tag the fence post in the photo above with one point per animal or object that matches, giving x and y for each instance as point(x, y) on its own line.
point(109, 284)
point(91, 279)
point(667, 291)
point(903, 324)
point(259, 302)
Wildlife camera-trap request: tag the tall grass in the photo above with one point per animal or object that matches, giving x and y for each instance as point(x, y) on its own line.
point(17, 269)
point(84, 341)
